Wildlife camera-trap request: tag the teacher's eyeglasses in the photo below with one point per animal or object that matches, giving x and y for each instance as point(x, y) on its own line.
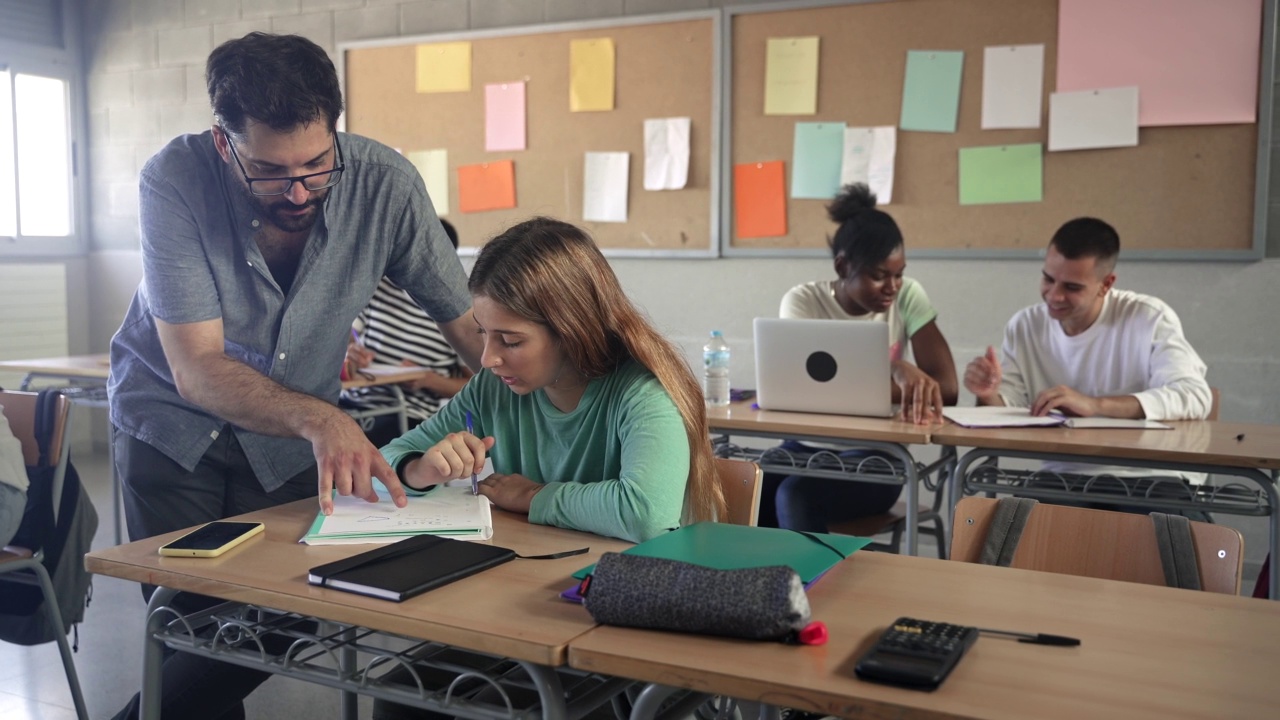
point(281, 185)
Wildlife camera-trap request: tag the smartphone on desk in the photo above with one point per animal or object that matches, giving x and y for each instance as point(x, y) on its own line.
point(211, 540)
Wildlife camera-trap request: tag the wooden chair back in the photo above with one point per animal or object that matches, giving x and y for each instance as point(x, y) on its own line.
point(20, 410)
point(740, 481)
point(1099, 543)
point(1216, 404)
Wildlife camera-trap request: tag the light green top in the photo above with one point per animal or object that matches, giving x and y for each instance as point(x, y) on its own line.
point(617, 465)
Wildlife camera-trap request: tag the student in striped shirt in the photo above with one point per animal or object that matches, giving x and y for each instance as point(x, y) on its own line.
point(395, 331)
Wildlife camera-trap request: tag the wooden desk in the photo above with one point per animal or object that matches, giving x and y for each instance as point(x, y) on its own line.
point(75, 367)
point(513, 610)
point(882, 435)
point(1233, 449)
point(1146, 652)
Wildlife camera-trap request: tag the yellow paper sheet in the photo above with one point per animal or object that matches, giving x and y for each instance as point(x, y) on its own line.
point(444, 67)
point(591, 74)
point(791, 76)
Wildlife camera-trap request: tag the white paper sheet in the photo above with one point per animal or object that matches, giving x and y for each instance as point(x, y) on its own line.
point(433, 166)
point(1093, 119)
point(869, 154)
point(1012, 84)
point(604, 187)
point(666, 153)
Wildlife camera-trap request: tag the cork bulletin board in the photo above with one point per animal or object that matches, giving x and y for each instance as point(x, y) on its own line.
point(1189, 192)
point(666, 66)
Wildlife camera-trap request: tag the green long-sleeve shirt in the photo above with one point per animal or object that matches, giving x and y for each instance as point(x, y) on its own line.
point(617, 465)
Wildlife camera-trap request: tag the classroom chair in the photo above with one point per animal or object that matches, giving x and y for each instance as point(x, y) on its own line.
point(1099, 543)
point(740, 481)
point(20, 564)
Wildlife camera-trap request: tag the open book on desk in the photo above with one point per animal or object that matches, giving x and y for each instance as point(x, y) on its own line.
point(993, 416)
point(447, 511)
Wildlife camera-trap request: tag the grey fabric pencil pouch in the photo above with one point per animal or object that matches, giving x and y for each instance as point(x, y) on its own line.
point(766, 603)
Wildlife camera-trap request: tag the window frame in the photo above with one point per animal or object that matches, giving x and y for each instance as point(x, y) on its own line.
point(63, 64)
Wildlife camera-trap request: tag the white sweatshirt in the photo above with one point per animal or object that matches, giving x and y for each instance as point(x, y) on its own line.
point(1135, 347)
point(13, 469)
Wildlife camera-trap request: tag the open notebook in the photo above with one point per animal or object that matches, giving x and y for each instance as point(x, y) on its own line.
point(1000, 416)
point(447, 511)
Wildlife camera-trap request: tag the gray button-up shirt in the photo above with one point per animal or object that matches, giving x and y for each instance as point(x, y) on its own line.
point(200, 262)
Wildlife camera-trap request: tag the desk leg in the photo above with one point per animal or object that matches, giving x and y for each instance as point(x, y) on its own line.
point(403, 415)
point(153, 653)
point(651, 698)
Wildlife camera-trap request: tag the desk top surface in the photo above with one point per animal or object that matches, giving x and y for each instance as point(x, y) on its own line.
point(75, 366)
point(741, 417)
point(1147, 652)
point(513, 610)
point(1208, 442)
point(98, 367)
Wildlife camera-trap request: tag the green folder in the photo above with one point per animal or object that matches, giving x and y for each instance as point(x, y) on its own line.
point(733, 547)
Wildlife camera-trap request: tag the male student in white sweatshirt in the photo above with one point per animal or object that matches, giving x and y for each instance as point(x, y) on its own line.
point(1093, 350)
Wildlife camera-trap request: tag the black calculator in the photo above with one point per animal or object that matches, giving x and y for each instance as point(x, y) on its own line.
point(916, 653)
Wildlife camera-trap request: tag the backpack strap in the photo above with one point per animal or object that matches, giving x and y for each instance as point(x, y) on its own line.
point(1007, 524)
point(1177, 551)
point(45, 421)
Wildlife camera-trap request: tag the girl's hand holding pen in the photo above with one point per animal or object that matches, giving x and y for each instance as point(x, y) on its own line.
point(457, 455)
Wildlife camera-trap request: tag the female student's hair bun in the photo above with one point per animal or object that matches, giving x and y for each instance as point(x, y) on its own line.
point(852, 200)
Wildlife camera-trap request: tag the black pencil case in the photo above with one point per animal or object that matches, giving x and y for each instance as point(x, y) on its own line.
point(766, 603)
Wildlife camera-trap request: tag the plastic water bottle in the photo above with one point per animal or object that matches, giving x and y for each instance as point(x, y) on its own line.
point(715, 362)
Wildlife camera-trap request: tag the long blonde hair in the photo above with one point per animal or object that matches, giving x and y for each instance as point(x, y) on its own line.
point(550, 272)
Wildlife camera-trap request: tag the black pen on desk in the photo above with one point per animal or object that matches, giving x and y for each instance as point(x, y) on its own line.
point(475, 484)
point(1034, 638)
point(1240, 437)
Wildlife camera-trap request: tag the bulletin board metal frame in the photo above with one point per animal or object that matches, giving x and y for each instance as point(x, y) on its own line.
point(705, 132)
point(731, 247)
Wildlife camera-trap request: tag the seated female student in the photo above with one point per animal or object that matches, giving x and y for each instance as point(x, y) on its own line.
point(869, 262)
point(593, 420)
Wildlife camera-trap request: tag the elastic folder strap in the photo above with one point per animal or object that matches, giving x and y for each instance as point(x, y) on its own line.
point(1007, 523)
point(555, 556)
point(1177, 551)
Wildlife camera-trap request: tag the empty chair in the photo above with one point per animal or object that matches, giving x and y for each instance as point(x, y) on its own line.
point(1099, 543)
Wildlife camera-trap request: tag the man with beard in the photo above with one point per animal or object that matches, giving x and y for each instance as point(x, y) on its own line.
point(262, 239)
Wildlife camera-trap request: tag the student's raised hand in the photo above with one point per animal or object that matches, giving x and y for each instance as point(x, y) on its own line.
point(510, 492)
point(1066, 401)
point(921, 395)
point(347, 462)
point(983, 375)
point(457, 455)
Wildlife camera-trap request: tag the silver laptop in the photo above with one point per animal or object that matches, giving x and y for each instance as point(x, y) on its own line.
point(823, 366)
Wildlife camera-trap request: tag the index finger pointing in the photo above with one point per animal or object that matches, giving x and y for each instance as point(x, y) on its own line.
point(326, 489)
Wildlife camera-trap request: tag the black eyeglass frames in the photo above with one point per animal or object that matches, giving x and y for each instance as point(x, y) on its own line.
point(281, 185)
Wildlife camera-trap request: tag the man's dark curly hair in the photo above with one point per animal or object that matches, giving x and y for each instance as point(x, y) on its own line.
point(282, 81)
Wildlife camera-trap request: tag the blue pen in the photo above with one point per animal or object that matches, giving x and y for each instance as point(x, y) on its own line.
point(354, 336)
point(475, 484)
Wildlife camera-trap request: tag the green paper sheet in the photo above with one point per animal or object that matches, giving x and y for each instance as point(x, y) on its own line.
point(815, 160)
point(1001, 174)
point(931, 90)
point(733, 547)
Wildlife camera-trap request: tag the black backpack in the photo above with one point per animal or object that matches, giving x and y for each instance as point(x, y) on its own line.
point(64, 542)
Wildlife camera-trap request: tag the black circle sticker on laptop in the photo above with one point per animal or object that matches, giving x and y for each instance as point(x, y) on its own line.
point(821, 366)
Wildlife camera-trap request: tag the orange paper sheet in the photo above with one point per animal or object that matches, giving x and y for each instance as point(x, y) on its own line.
point(759, 200)
point(487, 186)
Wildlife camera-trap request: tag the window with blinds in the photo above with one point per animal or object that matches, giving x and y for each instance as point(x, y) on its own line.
point(35, 22)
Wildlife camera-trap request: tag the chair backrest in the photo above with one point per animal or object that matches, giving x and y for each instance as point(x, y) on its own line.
point(1216, 404)
point(740, 480)
point(20, 409)
point(1099, 543)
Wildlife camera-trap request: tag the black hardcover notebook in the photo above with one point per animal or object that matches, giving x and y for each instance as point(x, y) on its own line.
point(409, 567)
